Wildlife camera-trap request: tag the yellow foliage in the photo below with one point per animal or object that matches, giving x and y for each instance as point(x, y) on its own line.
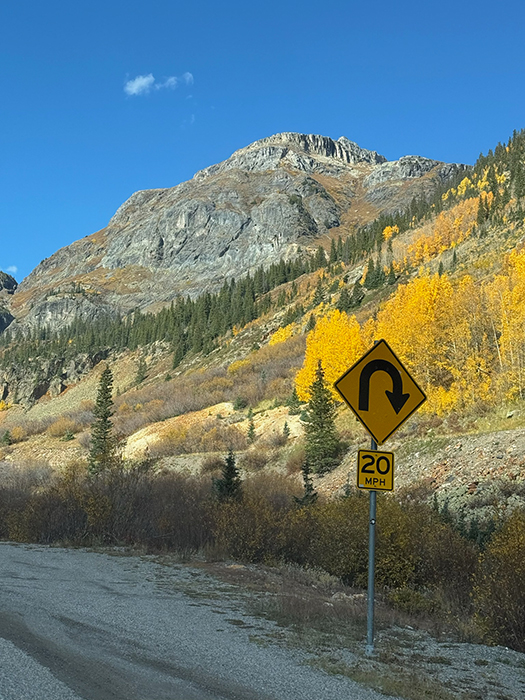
point(282, 334)
point(4, 405)
point(438, 331)
point(450, 228)
point(506, 306)
point(463, 186)
point(237, 365)
point(389, 231)
point(336, 340)
point(483, 183)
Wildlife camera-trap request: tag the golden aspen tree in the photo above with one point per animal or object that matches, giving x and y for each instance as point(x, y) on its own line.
point(336, 341)
point(506, 297)
point(430, 323)
point(450, 228)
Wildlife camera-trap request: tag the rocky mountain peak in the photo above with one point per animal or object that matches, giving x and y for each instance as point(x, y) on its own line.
point(268, 200)
point(303, 152)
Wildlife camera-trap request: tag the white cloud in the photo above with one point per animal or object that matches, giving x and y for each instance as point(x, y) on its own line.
point(143, 84)
point(12, 269)
point(140, 85)
point(170, 82)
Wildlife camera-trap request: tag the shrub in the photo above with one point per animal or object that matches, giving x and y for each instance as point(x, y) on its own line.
point(295, 460)
point(340, 543)
point(18, 433)
point(240, 403)
point(62, 426)
point(211, 464)
point(254, 460)
point(499, 592)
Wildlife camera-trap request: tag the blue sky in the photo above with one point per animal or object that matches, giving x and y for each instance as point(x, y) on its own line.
point(100, 99)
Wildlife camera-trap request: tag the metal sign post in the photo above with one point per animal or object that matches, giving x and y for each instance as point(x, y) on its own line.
point(371, 567)
point(382, 395)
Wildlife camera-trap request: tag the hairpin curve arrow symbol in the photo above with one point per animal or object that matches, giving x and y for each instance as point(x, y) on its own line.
point(396, 396)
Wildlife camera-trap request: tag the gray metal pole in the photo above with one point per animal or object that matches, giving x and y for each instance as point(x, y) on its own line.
point(371, 568)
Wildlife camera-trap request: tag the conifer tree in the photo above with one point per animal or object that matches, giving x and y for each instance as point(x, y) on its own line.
point(344, 300)
point(102, 453)
point(142, 371)
point(391, 279)
point(319, 293)
point(333, 252)
point(320, 258)
point(229, 486)
point(370, 281)
point(357, 295)
point(294, 404)
point(251, 428)
point(322, 441)
point(310, 495)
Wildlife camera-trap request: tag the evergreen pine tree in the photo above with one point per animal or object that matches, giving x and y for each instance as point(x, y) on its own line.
point(333, 252)
point(320, 258)
point(286, 430)
point(229, 486)
point(519, 181)
point(370, 281)
point(179, 351)
point(311, 323)
point(322, 441)
point(343, 303)
point(294, 404)
point(251, 428)
point(357, 295)
point(319, 293)
point(142, 371)
point(310, 495)
point(391, 279)
point(102, 453)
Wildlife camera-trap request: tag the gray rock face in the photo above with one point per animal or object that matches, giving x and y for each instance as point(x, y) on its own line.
point(44, 376)
point(7, 282)
point(216, 229)
point(259, 205)
point(5, 319)
point(409, 167)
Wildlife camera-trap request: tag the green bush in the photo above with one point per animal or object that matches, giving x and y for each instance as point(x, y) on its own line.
point(499, 592)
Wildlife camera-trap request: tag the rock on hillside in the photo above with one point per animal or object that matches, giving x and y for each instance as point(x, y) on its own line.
point(7, 283)
point(261, 204)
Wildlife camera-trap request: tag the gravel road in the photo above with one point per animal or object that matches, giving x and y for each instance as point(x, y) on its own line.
point(79, 624)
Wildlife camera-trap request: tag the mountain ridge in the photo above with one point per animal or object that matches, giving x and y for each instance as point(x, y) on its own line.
point(266, 202)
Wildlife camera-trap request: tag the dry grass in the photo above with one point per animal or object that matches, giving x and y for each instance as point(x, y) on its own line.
point(62, 426)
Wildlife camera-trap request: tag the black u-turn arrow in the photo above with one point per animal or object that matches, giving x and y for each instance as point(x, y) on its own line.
point(396, 396)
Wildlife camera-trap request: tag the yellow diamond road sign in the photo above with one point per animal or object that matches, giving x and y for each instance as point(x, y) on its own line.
point(380, 391)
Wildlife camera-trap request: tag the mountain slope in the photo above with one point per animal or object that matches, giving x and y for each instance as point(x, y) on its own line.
point(262, 204)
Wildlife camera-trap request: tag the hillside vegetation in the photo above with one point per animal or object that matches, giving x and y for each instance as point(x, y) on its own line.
point(442, 281)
